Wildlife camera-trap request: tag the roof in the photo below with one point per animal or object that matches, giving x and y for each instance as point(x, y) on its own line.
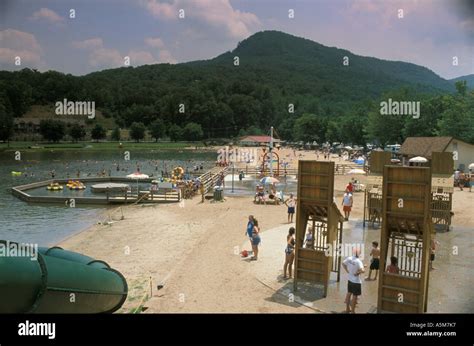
point(259, 139)
point(424, 146)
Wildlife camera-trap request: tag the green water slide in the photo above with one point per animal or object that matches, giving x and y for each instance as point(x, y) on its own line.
point(58, 281)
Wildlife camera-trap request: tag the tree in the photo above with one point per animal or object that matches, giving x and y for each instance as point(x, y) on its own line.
point(333, 132)
point(458, 121)
point(77, 132)
point(192, 132)
point(6, 124)
point(310, 127)
point(98, 132)
point(115, 135)
point(52, 130)
point(175, 132)
point(137, 131)
point(461, 87)
point(157, 129)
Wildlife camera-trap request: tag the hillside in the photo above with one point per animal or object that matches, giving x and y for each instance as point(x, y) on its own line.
point(276, 69)
point(469, 79)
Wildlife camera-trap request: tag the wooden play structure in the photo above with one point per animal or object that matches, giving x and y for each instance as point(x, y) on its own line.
point(406, 235)
point(442, 188)
point(373, 188)
point(317, 210)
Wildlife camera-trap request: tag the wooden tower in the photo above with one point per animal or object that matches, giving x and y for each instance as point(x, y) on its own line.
point(406, 234)
point(316, 209)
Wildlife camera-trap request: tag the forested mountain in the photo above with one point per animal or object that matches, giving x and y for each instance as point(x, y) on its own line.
point(274, 70)
point(469, 79)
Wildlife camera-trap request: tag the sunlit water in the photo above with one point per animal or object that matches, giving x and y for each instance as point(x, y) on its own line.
point(47, 224)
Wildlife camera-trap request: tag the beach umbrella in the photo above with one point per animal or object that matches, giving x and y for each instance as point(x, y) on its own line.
point(138, 175)
point(356, 171)
point(419, 159)
point(348, 147)
point(269, 180)
point(395, 161)
point(471, 166)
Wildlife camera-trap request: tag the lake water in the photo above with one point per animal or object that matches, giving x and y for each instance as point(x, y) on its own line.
point(47, 224)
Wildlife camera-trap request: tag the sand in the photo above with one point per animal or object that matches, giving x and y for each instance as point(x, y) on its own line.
point(192, 250)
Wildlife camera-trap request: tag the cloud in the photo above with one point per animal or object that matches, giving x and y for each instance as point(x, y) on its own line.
point(164, 55)
point(104, 57)
point(90, 43)
point(22, 44)
point(154, 42)
point(141, 57)
point(48, 15)
point(215, 14)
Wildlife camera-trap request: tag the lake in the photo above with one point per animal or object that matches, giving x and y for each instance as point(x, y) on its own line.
point(46, 224)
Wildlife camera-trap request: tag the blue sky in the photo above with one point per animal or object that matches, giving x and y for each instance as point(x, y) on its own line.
point(104, 32)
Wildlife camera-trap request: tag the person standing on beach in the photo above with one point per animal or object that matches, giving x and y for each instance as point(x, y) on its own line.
point(354, 267)
point(249, 231)
point(291, 204)
point(375, 263)
point(434, 244)
point(289, 253)
point(255, 239)
point(347, 204)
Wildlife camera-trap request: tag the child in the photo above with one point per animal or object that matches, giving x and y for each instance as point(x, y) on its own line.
point(393, 267)
point(309, 241)
point(375, 262)
point(434, 244)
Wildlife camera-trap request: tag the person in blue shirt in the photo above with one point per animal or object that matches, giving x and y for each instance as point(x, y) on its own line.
point(249, 231)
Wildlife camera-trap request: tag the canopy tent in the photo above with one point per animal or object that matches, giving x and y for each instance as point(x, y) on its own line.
point(418, 159)
point(137, 176)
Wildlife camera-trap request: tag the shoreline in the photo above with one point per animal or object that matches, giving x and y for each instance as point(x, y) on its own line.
point(192, 249)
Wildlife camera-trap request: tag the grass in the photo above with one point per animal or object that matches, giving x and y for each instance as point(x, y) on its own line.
point(93, 146)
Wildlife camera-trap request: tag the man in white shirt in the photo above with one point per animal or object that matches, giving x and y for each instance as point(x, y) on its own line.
point(354, 267)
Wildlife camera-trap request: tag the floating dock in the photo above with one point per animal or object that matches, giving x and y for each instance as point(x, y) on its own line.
point(111, 196)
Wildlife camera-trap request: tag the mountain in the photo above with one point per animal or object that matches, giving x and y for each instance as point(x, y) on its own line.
point(319, 63)
point(469, 79)
point(275, 70)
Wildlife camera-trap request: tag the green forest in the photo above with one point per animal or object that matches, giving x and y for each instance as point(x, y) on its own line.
point(307, 91)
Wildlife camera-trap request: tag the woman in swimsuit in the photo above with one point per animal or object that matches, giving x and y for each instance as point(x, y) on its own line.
point(289, 253)
point(255, 240)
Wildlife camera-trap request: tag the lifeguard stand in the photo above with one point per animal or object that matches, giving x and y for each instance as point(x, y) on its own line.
point(442, 188)
point(406, 234)
point(373, 188)
point(316, 209)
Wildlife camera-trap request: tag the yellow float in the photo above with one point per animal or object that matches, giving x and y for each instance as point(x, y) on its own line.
point(16, 174)
point(75, 185)
point(178, 174)
point(54, 187)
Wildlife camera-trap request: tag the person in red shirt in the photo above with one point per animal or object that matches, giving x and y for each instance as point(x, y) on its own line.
point(350, 187)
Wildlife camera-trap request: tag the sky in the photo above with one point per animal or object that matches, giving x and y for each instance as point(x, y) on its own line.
point(82, 36)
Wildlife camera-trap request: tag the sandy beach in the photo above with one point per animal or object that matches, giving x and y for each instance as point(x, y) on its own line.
point(192, 249)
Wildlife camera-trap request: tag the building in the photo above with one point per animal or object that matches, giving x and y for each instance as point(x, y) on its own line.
point(256, 141)
point(424, 146)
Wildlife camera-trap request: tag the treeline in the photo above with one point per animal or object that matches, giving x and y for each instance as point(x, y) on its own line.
point(440, 115)
point(56, 130)
point(202, 101)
